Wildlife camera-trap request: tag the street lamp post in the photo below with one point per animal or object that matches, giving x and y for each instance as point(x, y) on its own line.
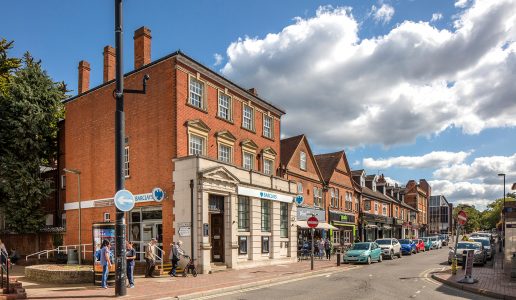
point(503, 218)
point(78, 173)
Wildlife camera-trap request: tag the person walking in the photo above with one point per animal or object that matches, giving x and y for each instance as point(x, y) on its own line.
point(327, 248)
point(14, 256)
point(176, 255)
point(130, 257)
point(321, 248)
point(105, 262)
point(149, 258)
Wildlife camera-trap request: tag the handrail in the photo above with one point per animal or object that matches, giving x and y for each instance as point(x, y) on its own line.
point(60, 249)
point(162, 256)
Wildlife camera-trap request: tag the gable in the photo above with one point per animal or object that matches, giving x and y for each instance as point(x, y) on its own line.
point(219, 174)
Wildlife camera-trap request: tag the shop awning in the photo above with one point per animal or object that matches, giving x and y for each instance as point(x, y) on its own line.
point(386, 227)
point(371, 226)
point(321, 225)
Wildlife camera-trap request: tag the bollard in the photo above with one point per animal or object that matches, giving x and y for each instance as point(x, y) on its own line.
point(464, 253)
point(338, 258)
point(454, 266)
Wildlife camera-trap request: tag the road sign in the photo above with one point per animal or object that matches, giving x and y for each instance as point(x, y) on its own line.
point(312, 222)
point(124, 200)
point(462, 217)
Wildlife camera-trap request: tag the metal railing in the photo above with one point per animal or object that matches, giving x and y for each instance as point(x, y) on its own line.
point(156, 257)
point(61, 249)
point(4, 269)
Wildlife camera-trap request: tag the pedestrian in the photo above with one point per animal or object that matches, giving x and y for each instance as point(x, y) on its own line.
point(105, 262)
point(14, 256)
point(3, 253)
point(177, 252)
point(327, 248)
point(321, 248)
point(130, 257)
point(149, 258)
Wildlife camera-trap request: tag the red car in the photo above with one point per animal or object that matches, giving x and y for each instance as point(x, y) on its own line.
point(420, 245)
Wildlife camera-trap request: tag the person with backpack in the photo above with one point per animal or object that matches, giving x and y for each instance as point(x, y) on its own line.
point(105, 262)
point(327, 248)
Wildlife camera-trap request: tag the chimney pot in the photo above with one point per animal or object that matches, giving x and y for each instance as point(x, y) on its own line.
point(84, 76)
point(142, 47)
point(109, 63)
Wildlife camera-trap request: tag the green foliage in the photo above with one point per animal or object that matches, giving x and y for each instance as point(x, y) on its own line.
point(7, 65)
point(474, 216)
point(486, 220)
point(30, 109)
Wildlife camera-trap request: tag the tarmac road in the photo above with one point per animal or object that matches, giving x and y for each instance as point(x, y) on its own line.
point(405, 278)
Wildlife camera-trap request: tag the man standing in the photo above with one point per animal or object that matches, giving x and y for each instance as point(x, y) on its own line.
point(130, 256)
point(176, 254)
point(105, 262)
point(149, 258)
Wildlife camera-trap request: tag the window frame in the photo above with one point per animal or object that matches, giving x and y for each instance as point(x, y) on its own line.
point(302, 160)
point(203, 145)
point(270, 128)
point(63, 182)
point(248, 154)
point(251, 118)
point(230, 153)
point(265, 217)
point(384, 210)
point(127, 161)
point(229, 116)
point(376, 207)
point(271, 167)
point(242, 240)
point(283, 220)
point(265, 244)
point(244, 213)
point(300, 188)
point(367, 205)
point(202, 94)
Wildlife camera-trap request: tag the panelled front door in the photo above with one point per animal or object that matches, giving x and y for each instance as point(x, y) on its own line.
point(217, 237)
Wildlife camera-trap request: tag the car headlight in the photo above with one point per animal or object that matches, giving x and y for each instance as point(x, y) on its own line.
point(364, 254)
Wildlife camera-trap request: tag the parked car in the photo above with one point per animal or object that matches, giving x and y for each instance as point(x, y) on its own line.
point(486, 243)
point(444, 239)
point(428, 243)
point(408, 247)
point(483, 234)
point(420, 245)
point(363, 253)
point(390, 247)
point(480, 256)
point(436, 242)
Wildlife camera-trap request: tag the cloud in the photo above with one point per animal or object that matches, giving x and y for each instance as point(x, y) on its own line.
point(485, 169)
point(218, 59)
point(436, 17)
point(430, 160)
point(383, 14)
point(461, 3)
point(391, 181)
point(478, 194)
point(416, 80)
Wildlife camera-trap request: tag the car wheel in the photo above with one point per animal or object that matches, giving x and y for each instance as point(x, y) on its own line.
point(369, 260)
point(391, 257)
point(399, 254)
point(380, 258)
point(410, 252)
point(449, 262)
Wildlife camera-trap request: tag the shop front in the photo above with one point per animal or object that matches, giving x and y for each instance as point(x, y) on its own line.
point(376, 227)
point(240, 218)
point(410, 230)
point(304, 234)
point(397, 228)
point(346, 231)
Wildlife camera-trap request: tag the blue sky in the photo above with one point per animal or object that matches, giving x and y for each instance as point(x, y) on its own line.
point(412, 89)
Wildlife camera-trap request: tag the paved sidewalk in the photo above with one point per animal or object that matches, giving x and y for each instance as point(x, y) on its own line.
point(190, 287)
point(492, 281)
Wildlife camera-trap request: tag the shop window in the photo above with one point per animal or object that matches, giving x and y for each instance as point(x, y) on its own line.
point(267, 126)
point(242, 245)
point(336, 237)
point(268, 165)
point(224, 106)
point(283, 219)
point(151, 215)
point(302, 160)
point(266, 215)
point(265, 244)
point(243, 213)
point(196, 97)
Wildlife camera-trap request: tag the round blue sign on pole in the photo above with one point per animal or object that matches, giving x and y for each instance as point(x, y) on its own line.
point(124, 200)
point(299, 199)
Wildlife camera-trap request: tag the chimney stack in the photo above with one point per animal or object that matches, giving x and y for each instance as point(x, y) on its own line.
point(253, 91)
point(84, 76)
point(142, 47)
point(109, 63)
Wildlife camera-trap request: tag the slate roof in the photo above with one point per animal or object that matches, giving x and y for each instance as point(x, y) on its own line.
point(288, 147)
point(327, 163)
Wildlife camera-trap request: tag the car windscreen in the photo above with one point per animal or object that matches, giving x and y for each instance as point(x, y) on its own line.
point(383, 242)
point(405, 242)
point(415, 241)
point(484, 242)
point(360, 246)
point(426, 240)
point(468, 246)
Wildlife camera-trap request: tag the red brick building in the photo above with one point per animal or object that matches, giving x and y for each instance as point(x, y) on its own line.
point(225, 137)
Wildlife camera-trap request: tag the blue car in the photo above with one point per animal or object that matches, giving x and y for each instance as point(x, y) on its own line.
point(408, 246)
point(363, 253)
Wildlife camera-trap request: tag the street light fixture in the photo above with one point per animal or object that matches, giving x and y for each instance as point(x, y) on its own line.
point(78, 173)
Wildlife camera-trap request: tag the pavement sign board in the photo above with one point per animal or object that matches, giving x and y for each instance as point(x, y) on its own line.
point(124, 200)
point(462, 217)
point(312, 222)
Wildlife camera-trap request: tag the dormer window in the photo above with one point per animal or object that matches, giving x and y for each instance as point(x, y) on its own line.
point(362, 181)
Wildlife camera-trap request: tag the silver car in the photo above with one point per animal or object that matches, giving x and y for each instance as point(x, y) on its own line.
point(390, 247)
point(486, 243)
point(480, 255)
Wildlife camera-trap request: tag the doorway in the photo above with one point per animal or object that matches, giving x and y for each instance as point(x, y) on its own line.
point(216, 205)
point(144, 224)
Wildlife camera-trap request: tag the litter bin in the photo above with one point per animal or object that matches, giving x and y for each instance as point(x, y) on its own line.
point(73, 258)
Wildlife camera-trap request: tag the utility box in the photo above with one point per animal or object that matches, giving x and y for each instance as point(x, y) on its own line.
point(73, 258)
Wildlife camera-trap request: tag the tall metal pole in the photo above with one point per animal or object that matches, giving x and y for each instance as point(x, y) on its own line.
point(503, 222)
point(312, 256)
point(120, 288)
point(80, 216)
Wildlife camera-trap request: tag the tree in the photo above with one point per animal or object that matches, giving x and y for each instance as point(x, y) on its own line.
point(7, 64)
point(30, 109)
point(474, 216)
point(492, 215)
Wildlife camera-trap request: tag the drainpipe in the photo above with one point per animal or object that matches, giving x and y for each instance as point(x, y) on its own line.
point(192, 216)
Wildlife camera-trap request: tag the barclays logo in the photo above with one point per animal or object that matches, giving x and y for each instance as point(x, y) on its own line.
point(158, 194)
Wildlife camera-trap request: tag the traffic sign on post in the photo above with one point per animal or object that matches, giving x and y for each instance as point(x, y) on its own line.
point(462, 217)
point(312, 222)
point(124, 200)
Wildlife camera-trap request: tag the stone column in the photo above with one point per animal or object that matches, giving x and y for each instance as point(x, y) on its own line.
point(275, 230)
point(203, 217)
point(231, 230)
point(255, 229)
point(292, 232)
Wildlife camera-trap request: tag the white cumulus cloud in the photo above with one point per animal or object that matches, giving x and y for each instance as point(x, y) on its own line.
point(436, 17)
point(461, 3)
point(383, 14)
point(433, 159)
point(478, 194)
point(218, 59)
point(416, 80)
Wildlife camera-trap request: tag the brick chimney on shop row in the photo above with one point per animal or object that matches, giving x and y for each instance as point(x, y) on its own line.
point(84, 76)
point(142, 47)
point(109, 63)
